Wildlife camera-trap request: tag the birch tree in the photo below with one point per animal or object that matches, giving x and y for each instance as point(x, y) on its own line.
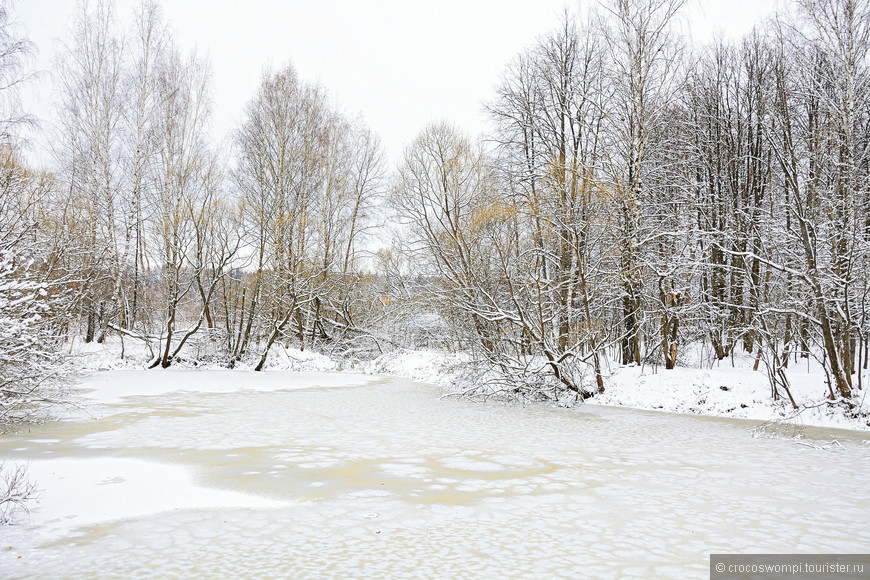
point(88, 149)
point(186, 183)
point(643, 63)
point(148, 43)
point(281, 168)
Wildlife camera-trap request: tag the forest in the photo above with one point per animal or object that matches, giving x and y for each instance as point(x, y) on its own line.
point(636, 198)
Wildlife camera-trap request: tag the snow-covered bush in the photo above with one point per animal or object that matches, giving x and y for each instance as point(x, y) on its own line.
point(27, 349)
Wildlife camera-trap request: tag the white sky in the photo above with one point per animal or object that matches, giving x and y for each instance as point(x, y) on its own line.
point(398, 63)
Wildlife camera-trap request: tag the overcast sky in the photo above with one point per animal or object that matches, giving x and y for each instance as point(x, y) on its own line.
point(398, 63)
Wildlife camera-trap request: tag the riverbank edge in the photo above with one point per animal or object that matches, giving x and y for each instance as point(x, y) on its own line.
point(732, 390)
point(728, 392)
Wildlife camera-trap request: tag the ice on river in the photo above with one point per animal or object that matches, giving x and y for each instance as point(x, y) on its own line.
point(102, 489)
point(223, 473)
point(115, 386)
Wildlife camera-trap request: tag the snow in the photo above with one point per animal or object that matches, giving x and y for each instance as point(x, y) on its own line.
point(96, 356)
point(722, 390)
point(728, 388)
point(727, 391)
point(112, 387)
point(424, 366)
point(105, 489)
point(203, 473)
point(696, 391)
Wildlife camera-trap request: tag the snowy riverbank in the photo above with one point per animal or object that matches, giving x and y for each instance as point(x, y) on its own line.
point(728, 388)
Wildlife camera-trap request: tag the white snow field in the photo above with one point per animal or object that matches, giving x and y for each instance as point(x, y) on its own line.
point(325, 475)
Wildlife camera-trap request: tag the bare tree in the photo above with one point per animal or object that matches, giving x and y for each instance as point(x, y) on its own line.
point(548, 118)
point(14, 53)
point(643, 63)
point(820, 145)
point(148, 43)
point(88, 149)
point(29, 303)
point(282, 166)
point(186, 183)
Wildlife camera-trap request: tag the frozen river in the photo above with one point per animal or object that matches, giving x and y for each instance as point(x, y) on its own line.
point(234, 474)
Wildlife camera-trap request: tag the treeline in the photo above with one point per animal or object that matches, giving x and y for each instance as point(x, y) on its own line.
point(175, 239)
point(636, 196)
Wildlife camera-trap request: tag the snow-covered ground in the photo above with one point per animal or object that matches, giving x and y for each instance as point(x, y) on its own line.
point(727, 388)
point(113, 387)
point(102, 489)
point(730, 392)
